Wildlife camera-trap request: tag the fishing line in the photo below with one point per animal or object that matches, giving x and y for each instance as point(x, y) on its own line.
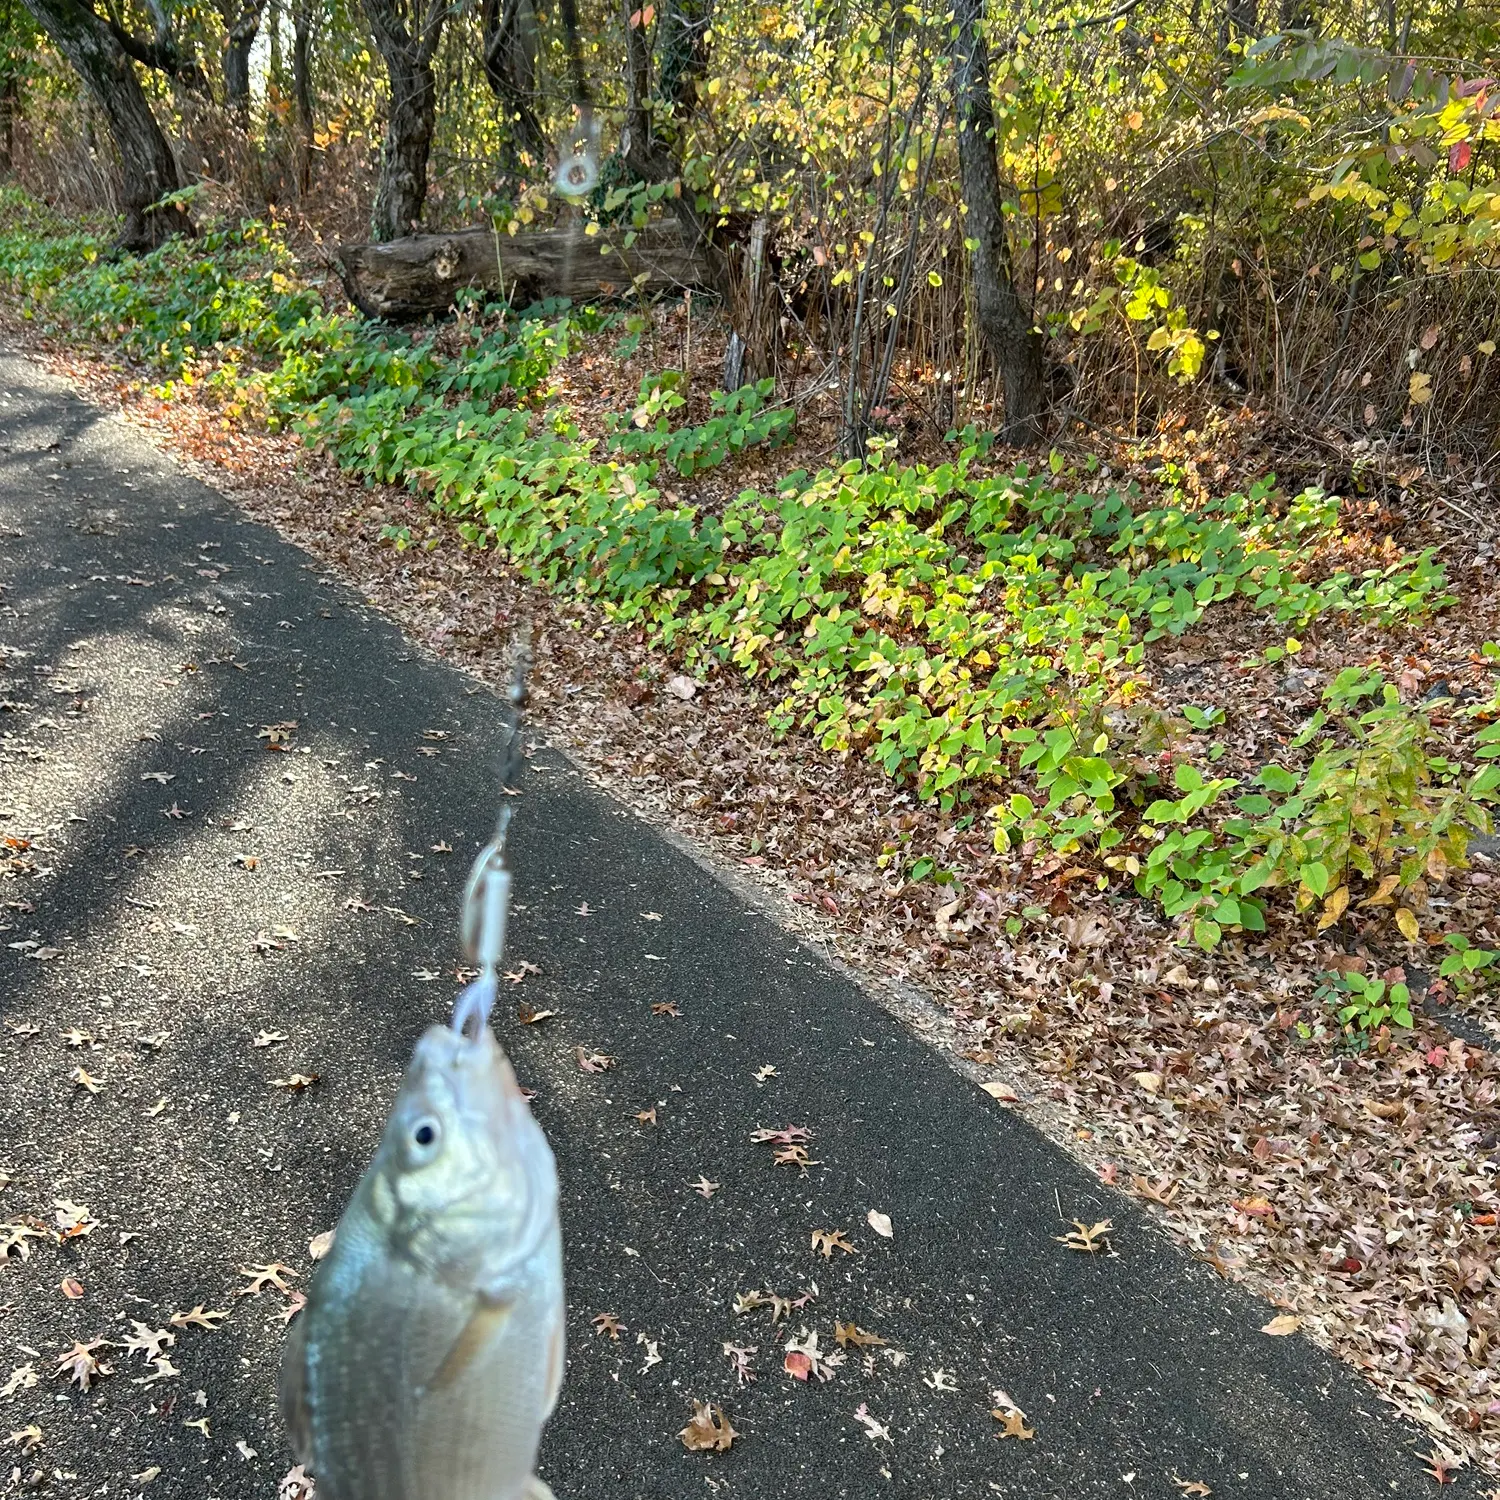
point(578, 171)
point(486, 904)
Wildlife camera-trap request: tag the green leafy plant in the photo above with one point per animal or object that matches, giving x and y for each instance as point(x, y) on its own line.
point(1364, 1005)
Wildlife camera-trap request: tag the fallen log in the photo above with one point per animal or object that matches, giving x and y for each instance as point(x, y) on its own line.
point(421, 274)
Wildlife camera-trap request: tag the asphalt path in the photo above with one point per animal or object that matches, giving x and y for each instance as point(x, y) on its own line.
point(235, 801)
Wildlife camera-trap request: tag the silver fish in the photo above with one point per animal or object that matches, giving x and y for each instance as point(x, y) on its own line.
point(430, 1352)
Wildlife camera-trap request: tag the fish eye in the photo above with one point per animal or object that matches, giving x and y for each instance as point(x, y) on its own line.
point(425, 1133)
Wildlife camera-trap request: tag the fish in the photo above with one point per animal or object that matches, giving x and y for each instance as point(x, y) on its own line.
point(431, 1349)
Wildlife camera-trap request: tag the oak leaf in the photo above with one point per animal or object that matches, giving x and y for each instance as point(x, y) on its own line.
point(82, 1366)
point(826, 1241)
point(1089, 1238)
point(710, 1431)
point(1013, 1424)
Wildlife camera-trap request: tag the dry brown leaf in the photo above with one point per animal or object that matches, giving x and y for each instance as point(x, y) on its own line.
point(1013, 1424)
point(1282, 1324)
point(261, 1277)
point(199, 1317)
point(1090, 1238)
point(826, 1241)
point(710, 1431)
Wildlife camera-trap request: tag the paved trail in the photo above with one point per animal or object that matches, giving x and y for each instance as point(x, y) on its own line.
point(200, 888)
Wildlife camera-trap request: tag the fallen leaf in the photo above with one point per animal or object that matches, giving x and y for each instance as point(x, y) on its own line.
point(710, 1431)
point(267, 1038)
point(261, 1277)
point(1013, 1424)
point(850, 1333)
point(593, 1062)
point(705, 1188)
point(739, 1358)
point(15, 1236)
point(161, 1368)
point(880, 1223)
point(296, 1484)
point(1282, 1323)
point(1440, 1466)
point(647, 1116)
point(147, 1341)
point(827, 1241)
point(665, 1008)
point(199, 1317)
point(1191, 1486)
point(22, 1378)
point(72, 1288)
point(875, 1431)
point(85, 1080)
point(789, 1135)
point(1090, 1238)
point(1001, 1092)
point(27, 1439)
point(1162, 1191)
point(320, 1244)
point(73, 1220)
point(610, 1324)
point(804, 1357)
point(295, 1081)
point(82, 1366)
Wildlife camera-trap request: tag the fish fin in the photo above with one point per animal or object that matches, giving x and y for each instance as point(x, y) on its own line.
point(537, 1488)
point(556, 1362)
point(484, 1323)
point(292, 1392)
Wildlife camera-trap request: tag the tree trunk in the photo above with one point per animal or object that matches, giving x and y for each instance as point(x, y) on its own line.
point(302, 19)
point(16, 45)
point(509, 32)
point(651, 160)
point(241, 31)
point(148, 169)
point(1004, 324)
point(402, 189)
point(420, 276)
point(10, 102)
point(683, 48)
